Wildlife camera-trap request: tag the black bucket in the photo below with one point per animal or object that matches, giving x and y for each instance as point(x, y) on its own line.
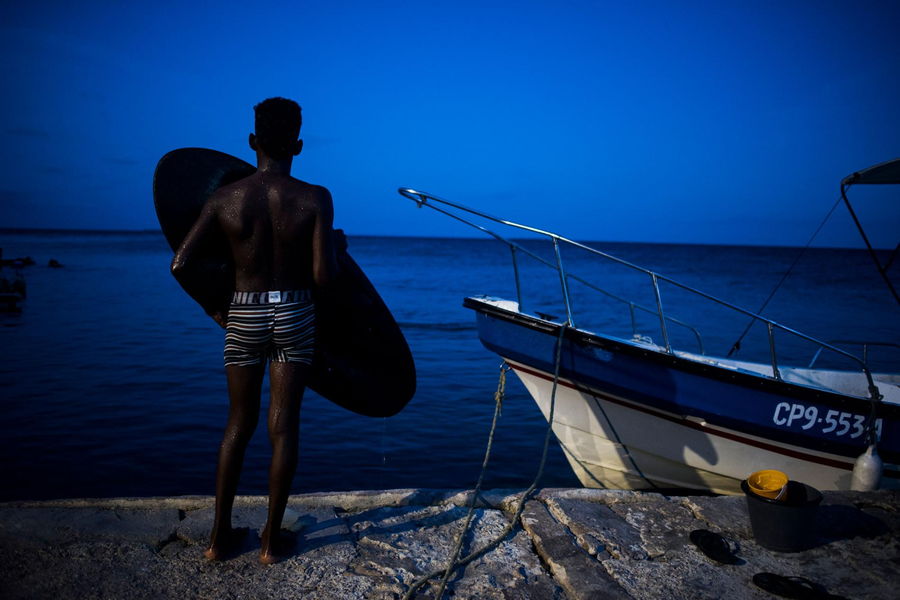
point(786, 525)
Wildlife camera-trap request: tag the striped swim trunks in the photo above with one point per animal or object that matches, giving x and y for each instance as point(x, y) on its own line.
point(277, 326)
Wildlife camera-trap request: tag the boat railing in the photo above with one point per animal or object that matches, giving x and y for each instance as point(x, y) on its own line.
point(514, 248)
point(865, 345)
point(438, 204)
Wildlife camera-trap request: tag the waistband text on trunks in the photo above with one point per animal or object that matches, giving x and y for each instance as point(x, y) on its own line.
point(279, 297)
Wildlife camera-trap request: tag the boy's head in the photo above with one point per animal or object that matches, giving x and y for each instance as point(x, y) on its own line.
point(278, 123)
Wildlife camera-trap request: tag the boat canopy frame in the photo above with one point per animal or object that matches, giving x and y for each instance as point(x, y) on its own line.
point(883, 173)
point(444, 207)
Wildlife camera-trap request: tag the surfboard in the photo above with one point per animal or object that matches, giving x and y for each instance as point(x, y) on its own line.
point(362, 361)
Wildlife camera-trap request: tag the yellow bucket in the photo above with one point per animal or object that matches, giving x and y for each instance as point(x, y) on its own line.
point(768, 484)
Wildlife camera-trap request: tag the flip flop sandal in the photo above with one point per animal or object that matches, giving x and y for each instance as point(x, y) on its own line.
point(800, 588)
point(714, 546)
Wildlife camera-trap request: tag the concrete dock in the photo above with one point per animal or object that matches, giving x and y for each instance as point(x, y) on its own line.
point(570, 544)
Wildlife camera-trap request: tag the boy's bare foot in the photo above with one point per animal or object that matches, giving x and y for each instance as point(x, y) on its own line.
point(223, 543)
point(275, 547)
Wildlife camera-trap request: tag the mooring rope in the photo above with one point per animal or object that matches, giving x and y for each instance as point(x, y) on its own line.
point(737, 344)
point(498, 407)
point(455, 561)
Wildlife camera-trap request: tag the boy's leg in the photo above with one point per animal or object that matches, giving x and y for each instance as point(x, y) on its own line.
point(287, 381)
point(244, 385)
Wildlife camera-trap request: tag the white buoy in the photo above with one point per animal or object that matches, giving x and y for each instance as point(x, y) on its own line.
point(867, 471)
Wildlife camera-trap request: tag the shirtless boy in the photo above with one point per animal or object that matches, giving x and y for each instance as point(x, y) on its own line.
point(280, 233)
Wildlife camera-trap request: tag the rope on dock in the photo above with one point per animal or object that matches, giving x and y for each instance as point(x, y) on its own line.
point(455, 561)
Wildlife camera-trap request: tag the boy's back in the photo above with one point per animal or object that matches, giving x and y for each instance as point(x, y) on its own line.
point(271, 221)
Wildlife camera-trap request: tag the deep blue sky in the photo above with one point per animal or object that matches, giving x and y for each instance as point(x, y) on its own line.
point(708, 122)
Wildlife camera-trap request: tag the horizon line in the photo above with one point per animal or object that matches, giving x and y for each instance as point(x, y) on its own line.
point(58, 230)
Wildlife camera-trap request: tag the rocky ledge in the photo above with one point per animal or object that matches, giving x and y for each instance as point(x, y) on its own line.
point(569, 544)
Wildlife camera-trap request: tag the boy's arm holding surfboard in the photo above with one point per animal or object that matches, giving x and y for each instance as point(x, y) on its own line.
point(185, 257)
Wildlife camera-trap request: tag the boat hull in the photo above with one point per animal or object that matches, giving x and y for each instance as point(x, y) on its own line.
point(634, 417)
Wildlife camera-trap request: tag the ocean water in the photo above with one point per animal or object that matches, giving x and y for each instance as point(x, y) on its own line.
point(112, 382)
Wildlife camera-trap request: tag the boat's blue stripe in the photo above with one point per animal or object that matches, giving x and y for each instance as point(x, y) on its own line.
point(838, 464)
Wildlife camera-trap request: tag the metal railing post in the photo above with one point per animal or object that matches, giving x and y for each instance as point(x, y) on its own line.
point(633, 319)
point(699, 342)
point(564, 282)
point(775, 373)
point(662, 316)
point(815, 357)
point(516, 272)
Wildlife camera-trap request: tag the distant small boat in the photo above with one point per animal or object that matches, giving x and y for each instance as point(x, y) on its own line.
point(634, 414)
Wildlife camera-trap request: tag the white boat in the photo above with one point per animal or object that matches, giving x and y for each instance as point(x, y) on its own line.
point(633, 414)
